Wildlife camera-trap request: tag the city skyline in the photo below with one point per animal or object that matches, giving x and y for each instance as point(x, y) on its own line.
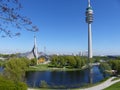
point(63, 28)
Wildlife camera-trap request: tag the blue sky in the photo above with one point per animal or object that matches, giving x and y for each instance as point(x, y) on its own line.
point(62, 27)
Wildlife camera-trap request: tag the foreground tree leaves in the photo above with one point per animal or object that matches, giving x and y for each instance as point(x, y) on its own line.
point(10, 18)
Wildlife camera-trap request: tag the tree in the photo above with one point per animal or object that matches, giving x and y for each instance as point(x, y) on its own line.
point(62, 61)
point(78, 60)
point(15, 69)
point(54, 60)
point(81, 61)
point(33, 62)
point(72, 61)
point(105, 68)
point(10, 17)
point(115, 64)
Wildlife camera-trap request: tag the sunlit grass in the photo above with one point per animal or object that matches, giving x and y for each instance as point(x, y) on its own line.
point(115, 78)
point(45, 67)
point(115, 86)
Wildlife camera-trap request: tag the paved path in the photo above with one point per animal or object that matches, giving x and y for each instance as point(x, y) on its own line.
point(103, 85)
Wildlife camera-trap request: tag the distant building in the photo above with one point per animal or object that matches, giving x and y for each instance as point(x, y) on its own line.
point(34, 53)
point(40, 56)
point(80, 53)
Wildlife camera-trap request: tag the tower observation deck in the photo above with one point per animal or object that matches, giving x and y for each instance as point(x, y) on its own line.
point(89, 13)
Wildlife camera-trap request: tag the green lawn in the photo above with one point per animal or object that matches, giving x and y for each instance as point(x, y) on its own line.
point(41, 67)
point(115, 86)
point(45, 67)
point(115, 79)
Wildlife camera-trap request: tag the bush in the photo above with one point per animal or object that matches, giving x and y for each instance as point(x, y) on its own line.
point(11, 85)
point(43, 84)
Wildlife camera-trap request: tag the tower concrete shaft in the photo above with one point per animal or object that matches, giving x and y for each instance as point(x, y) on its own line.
point(89, 20)
point(89, 42)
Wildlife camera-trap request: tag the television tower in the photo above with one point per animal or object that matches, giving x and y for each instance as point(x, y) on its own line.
point(89, 20)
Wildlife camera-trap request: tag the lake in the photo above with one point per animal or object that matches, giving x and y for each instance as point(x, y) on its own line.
point(1, 69)
point(67, 79)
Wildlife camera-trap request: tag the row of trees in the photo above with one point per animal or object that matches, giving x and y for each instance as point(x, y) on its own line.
point(68, 61)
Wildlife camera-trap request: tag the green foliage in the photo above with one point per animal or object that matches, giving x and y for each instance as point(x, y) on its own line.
point(115, 64)
point(4, 55)
point(104, 58)
point(96, 59)
point(54, 60)
point(15, 69)
point(43, 84)
point(68, 61)
point(1, 63)
point(33, 62)
point(8, 55)
point(62, 61)
point(79, 62)
point(105, 68)
point(11, 85)
point(72, 62)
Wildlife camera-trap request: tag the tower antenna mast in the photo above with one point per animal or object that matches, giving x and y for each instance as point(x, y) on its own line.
point(88, 3)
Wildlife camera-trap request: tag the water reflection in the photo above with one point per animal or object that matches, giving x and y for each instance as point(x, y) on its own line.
point(1, 69)
point(69, 79)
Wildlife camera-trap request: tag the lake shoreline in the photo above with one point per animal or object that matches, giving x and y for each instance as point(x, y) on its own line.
point(85, 87)
point(46, 68)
